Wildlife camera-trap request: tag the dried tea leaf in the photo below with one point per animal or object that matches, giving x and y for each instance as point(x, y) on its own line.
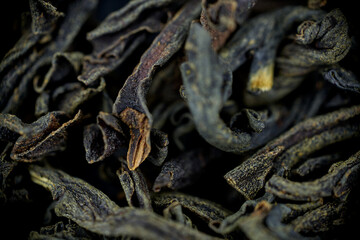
point(261, 37)
point(44, 137)
point(174, 210)
point(44, 15)
point(64, 66)
point(256, 166)
point(313, 190)
point(252, 173)
point(18, 81)
point(42, 104)
point(94, 211)
point(11, 127)
point(139, 146)
point(127, 15)
point(62, 231)
point(218, 18)
point(6, 165)
point(71, 96)
point(274, 221)
point(134, 182)
point(313, 164)
point(102, 139)
point(303, 149)
point(320, 219)
point(184, 170)
point(314, 4)
point(119, 35)
point(342, 79)
point(130, 103)
point(300, 209)
point(206, 210)
point(230, 223)
point(159, 147)
point(253, 226)
point(329, 38)
point(203, 76)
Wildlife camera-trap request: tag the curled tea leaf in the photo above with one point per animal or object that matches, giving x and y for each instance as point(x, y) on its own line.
point(102, 139)
point(240, 177)
point(314, 190)
point(130, 107)
point(44, 137)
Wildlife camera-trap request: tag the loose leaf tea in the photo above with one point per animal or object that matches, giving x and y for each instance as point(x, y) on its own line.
point(190, 119)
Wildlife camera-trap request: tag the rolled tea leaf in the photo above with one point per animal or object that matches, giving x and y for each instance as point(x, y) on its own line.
point(102, 139)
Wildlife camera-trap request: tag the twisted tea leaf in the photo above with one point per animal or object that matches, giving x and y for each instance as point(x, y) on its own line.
point(174, 210)
point(6, 165)
point(94, 211)
point(300, 209)
point(314, 190)
point(130, 104)
point(253, 226)
point(63, 66)
point(320, 219)
point(330, 38)
point(205, 209)
point(181, 171)
point(119, 35)
point(22, 55)
point(282, 231)
point(71, 96)
point(220, 18)
point(76, 15)
point(134, 182)
point(159, 147)
point(11, 127)
point(44, 137)
point(230, 223)
point(44, 16)
point(262, 35)
point(342, 79)
point(241, 177)
point(303, 149)
point(313, 164)
point(62, 231)
point(125, 16)
point(203, 87)
point(102, 139)
point(251, 174)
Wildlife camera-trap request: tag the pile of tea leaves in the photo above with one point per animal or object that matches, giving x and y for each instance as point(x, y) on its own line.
point(179, 119)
